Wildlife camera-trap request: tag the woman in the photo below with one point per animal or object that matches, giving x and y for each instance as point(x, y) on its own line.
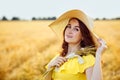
point(72, 64)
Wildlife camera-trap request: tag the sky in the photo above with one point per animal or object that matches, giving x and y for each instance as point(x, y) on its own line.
point(26, 9)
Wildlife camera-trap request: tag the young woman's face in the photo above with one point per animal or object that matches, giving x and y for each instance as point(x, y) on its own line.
point(72, 33)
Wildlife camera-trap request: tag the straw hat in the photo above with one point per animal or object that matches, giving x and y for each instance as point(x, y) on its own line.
point(59, 24)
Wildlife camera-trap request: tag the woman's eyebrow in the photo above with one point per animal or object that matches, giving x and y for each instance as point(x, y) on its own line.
point(77, 26)
point(68, 24)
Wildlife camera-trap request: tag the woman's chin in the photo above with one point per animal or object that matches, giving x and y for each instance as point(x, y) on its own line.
point(69, 41)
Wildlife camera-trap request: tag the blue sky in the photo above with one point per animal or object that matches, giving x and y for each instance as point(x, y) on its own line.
point(26, 9)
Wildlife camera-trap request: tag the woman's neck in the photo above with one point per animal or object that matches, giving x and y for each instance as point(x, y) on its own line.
point(72, 48)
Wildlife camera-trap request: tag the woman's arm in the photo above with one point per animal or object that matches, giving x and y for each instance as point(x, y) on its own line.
point(95, 72)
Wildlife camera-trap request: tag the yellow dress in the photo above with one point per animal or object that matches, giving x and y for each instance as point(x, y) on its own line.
point(74, 68)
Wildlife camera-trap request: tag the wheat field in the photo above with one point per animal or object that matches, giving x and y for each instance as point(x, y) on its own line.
point(27, 46)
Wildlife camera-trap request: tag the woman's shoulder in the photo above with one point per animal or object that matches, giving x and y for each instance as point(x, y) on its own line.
point(88, 57)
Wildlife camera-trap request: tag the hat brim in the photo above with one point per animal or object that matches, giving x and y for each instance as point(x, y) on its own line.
point(59, 24)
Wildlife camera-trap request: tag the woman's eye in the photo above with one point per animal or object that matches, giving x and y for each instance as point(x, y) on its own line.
point(76, 29)
point(68, 26)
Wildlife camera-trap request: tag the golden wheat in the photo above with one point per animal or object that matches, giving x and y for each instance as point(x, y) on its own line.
point(27, 46)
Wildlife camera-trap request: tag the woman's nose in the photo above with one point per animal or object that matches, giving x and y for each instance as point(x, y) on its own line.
point(70, 31)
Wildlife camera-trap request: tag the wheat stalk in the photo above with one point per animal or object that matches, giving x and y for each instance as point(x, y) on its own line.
point(87, 50)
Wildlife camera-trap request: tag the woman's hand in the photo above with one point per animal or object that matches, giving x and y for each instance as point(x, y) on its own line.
point(102, 46)
point(57, 62)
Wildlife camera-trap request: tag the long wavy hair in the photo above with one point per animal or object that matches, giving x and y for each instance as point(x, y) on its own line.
point(86, 41)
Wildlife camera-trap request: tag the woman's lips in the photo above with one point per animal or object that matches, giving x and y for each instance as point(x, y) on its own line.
point(69, 36)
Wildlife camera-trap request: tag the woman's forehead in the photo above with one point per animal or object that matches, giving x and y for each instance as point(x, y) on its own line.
point(73, 21)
